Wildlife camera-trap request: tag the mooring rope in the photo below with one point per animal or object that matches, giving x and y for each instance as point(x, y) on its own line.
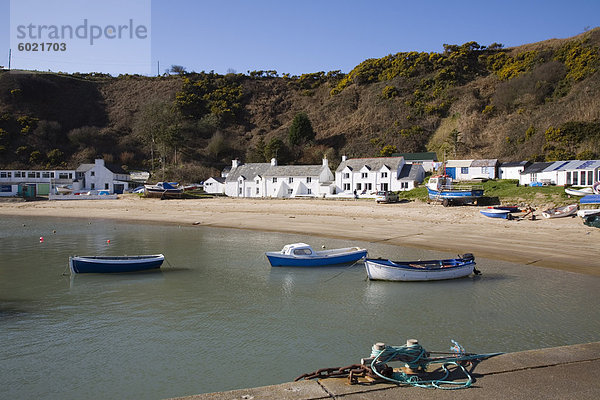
point(416, 358)
point(342, 271)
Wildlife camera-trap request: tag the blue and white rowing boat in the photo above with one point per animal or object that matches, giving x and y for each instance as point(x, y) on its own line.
point(303, 255)
point(495, 213)
point(112, 264)
point(431, 270)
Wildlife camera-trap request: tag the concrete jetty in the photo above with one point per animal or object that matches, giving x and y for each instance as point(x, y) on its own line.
point(568, 372)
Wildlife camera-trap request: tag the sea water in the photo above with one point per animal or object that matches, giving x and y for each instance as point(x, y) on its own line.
point(218, 317)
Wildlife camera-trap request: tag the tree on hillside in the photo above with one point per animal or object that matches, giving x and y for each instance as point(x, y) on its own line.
point(158, 126)
point(177, 69)
point(301, 130)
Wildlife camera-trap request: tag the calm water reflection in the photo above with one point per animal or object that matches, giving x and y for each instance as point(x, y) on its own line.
point(218, 317)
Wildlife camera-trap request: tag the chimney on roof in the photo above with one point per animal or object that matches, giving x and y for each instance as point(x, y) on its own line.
point(274, 162)
point(343, 158)
point(235, 163)
point(325, 161)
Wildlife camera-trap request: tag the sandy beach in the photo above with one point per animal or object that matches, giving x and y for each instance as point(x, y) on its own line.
point(563, 243)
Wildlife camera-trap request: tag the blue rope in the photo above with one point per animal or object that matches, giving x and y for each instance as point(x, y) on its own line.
point(416, 358)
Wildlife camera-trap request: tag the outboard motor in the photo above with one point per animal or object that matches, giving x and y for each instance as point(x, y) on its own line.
point(468, 257)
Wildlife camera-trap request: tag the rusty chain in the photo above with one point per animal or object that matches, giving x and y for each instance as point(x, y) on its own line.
point(353, 372)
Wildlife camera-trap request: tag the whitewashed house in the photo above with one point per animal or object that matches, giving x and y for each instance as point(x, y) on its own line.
point(98, 176)
point(369, 175)
point(245, 180)
point(299, 181)
point(534, 173)
point(563, 173)
point(512, 170)
point(214, 185)
point(579, 173)
point(283, 181)
point(467, 170)
point(12, 182)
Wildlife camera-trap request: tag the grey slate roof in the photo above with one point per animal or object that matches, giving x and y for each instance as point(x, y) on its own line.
point(250, 170)
point(515, 164)
point(425, 156)
point(409, 172)
point(485, 163)
point(537, 167)
point(115, 169)
point(84, 167)
point(218, 179)
point(295, 170)
point(372, 163)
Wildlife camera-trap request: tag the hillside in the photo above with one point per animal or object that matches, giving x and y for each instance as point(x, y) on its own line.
point(539, 101)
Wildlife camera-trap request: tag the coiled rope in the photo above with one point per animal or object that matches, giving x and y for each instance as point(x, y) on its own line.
point(416, 358)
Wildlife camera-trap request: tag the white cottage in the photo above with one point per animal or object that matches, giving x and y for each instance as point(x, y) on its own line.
point(563, 173)
point(272, 180)
point(512, 170)
point(466, 170)
point(98, 176)
point(214, 185)
point(299, 180)
point(369, 175)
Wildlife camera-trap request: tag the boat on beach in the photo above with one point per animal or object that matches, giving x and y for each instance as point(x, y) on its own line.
point(495, 213)
point(579, 192)
point(441, 188)
point(163, 190)
point(430, 270)
point(560, 212)
point(592, 220)
point(589, 205)
point(303, 255)
point(114, 264)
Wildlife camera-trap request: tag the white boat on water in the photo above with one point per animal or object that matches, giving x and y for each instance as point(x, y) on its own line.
point(430, 270)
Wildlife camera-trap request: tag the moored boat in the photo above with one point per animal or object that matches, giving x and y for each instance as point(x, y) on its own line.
point(560, 212)
point(303, 255)
point(441, 188)
point(112, 264)
point(388, 270)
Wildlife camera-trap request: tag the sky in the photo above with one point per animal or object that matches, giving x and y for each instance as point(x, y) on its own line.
point(292, 37)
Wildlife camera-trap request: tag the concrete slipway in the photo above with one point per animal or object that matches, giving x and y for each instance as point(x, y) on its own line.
point(568, 372)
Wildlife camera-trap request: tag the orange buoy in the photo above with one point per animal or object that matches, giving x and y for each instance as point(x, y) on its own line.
point(41, 239)
point(108, 241)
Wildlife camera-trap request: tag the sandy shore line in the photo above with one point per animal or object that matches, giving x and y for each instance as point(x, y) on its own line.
point(563, 243)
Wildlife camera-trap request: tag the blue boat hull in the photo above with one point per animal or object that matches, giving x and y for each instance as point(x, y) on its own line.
point(308, 261)
point(103, 265)
point(500, 214)
point(464, 195)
